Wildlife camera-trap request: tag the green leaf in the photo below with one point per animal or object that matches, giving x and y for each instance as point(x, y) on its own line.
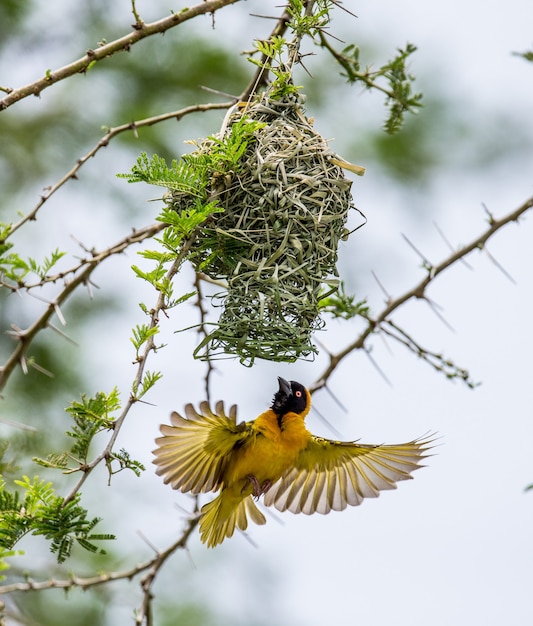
point(148, 381)
point(42, 512)
point(126, 462)
point(528, 55)
point(341, 305)
point(141, 334)
point(54, 461)
point(91, 416)
point(180, 176)
point(392, 79)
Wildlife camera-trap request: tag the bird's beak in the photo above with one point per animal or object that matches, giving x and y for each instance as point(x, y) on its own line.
point(284, 387)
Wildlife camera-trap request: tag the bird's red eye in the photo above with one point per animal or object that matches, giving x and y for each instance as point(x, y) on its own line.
point(298, 394)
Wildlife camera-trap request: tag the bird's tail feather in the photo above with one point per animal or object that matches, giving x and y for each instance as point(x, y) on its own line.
point(220, 517)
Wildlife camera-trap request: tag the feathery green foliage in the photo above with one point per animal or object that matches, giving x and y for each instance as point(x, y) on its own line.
point(14, 269)
point(38, 510)
point(400, 98)
point(527, 55)
point(341, 305)
point(92, 416)
point(181, 175)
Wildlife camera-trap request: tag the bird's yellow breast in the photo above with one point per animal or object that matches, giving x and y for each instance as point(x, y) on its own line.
point(271, 450)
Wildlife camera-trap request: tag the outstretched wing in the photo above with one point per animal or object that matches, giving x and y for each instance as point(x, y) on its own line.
point(330, 475)
point(193, 453)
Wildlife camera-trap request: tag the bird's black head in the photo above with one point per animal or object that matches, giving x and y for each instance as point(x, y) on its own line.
point(291, 397)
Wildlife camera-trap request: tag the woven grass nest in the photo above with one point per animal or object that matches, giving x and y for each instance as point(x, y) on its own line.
point(275, 243)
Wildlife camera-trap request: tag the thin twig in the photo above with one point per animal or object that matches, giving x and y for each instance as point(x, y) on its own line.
point(436, 360)
point(418, 291)
point(149, 346)
point(83, 64)
point(100, 579)
point(104, 142)
point(294, 45)
point(202, 329)
point(260, 77)
point(143, 614)
point(346, 63)
point(25, 337)
point(448, 243)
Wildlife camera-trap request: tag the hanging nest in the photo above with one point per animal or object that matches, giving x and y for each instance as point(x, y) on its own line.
point(275, 243)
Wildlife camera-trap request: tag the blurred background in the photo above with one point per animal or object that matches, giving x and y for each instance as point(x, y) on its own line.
point(452, 546)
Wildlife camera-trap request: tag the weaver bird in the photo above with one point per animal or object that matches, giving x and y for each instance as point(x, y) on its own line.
point(276, 457)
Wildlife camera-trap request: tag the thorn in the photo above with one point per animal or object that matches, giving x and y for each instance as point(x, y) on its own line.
point(387, 294)
point(339, 403)
point(64, 335)
point(31, 429)
point(146, 402)
point(148, 542)
point(219, 93)
point(326, 32)
point(426, 263)
point(326, 422)
point(324, 347)
point(499, 266)
point(182, 509)
point(189, 556)
point(89, 284)
point(383, 337)
point(300, 56)
point(489, 214)
point(320, 383)
point(380, 371)
point(59, 314)
point(339, 5)
point(264, 17)
point(16, 332)
point(40, 298)
point(83, 246)
point(248, 539)
point(40, 369)
point(435, 308)
point(272, 514)
point(452, 249)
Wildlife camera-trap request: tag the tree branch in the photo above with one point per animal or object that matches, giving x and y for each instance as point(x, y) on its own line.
point(419, 290)
point(104, 142)
point(143, 614)
point(25, 337)
point(153, 565)
point(83, 64)
point(159, 307)
point(346, 64)
point(260, 77)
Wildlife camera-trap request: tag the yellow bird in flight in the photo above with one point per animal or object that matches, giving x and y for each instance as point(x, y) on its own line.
point(276, 457)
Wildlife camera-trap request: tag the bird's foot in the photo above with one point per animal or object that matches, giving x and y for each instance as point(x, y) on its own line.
point(257, 489)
